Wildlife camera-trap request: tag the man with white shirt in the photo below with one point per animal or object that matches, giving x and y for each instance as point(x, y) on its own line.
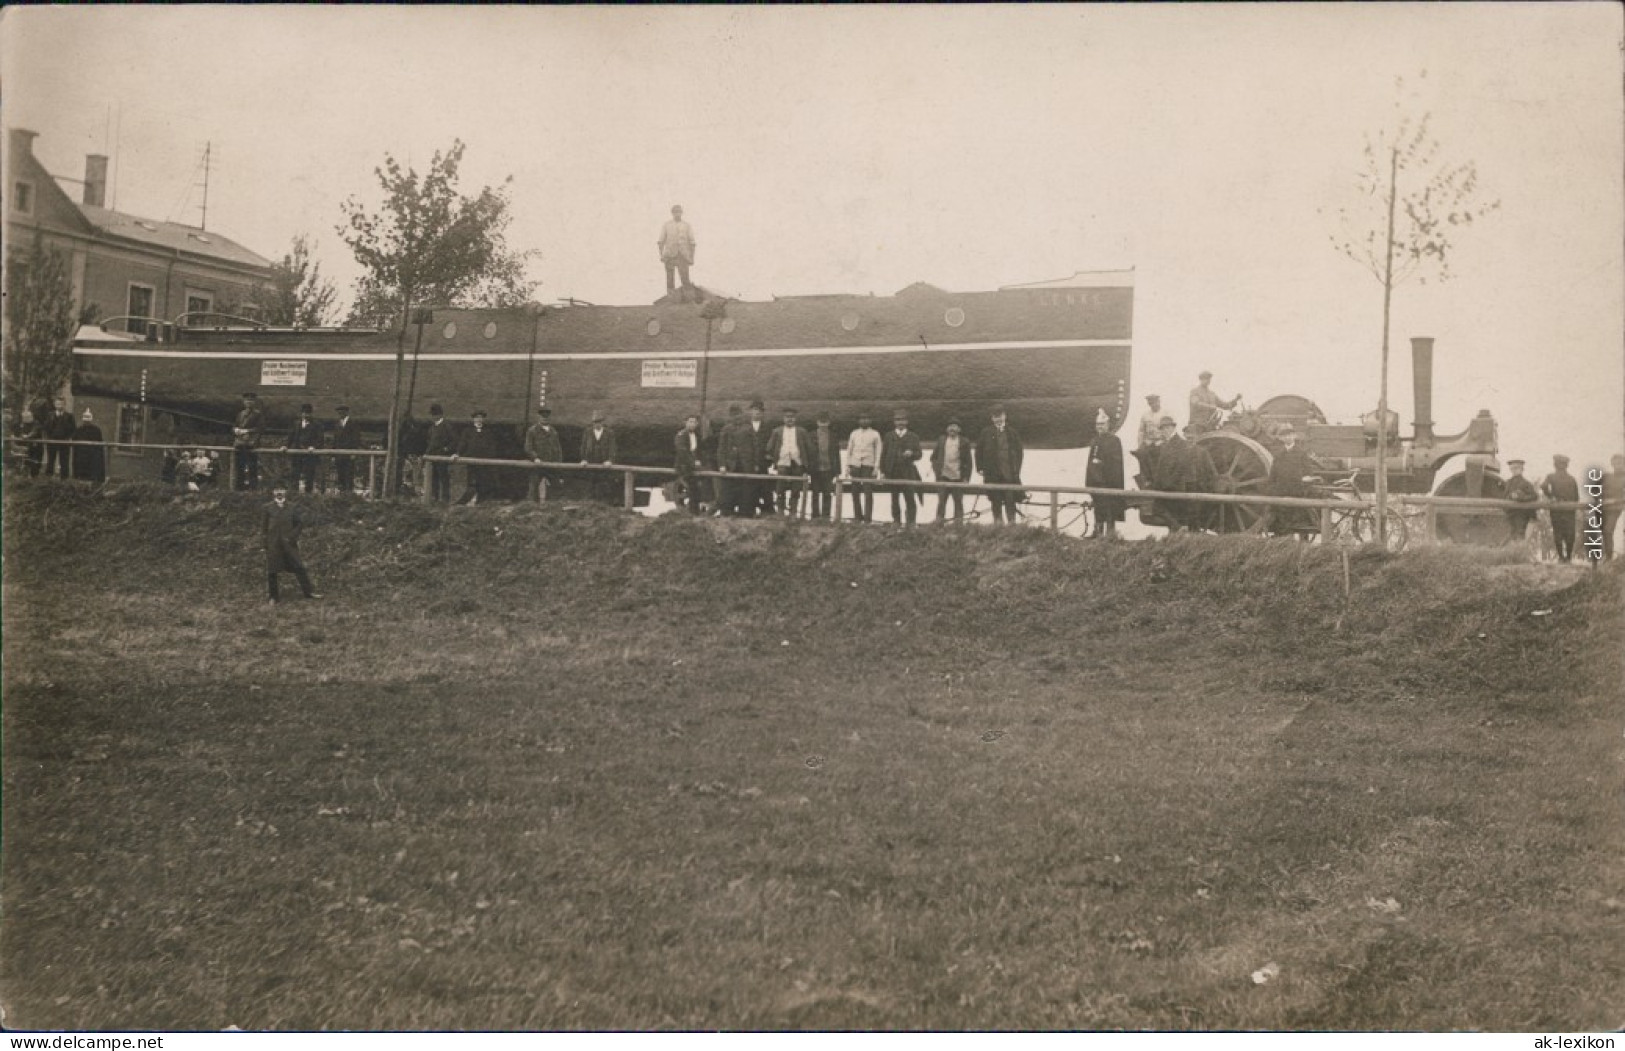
point(951, 461)
point(787, 458)
point(1150, 431)
point(677, 249)
point(863, 447)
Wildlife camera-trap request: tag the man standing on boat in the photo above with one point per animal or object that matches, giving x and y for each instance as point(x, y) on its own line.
point(677, 249)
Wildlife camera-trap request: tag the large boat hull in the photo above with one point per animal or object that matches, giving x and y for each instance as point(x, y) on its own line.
point(1053, 364)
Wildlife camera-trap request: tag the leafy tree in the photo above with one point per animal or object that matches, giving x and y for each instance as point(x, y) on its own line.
point(298, 293)
point(40, 322)
point(1411, 204)
point(429, 244)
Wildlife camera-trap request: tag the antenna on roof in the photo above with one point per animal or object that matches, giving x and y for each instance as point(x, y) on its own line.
point(203, 224)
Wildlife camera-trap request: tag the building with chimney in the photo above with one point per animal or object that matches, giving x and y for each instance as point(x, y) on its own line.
point(124, 265)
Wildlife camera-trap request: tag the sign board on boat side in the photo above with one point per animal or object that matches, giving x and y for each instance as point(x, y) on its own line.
point(282, 373)
point(670, 372)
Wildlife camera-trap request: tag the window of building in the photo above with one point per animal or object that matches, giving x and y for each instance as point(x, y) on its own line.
point(22, 197)
point(128, 430)
point(141, 297)
point(199, 302)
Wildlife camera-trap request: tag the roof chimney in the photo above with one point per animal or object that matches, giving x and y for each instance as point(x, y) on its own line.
point(22, 141)
point(96, 180)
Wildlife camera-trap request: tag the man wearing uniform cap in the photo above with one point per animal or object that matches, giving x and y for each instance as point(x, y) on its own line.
point(306, 434)
point(899, 452)
point(823, 464)
point(1523, 491)
point(440, 442)
point(1560, 485)
point(1205, 405)
point(345, 435)
point(245, 438)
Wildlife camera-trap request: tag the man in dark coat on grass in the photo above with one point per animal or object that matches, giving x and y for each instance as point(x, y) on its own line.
point(1106, 471)
point(281, 528)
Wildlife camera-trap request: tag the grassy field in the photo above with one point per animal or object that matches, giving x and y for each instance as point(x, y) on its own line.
point(572, 769)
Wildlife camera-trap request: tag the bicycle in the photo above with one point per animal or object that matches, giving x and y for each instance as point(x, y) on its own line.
point(1357, 526)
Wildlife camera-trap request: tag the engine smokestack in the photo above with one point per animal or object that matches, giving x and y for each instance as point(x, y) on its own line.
point(1422, 387)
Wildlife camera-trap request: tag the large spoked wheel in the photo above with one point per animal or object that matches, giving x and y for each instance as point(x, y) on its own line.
point(1462, 527)
point(1396, 532)
point(1243, 469)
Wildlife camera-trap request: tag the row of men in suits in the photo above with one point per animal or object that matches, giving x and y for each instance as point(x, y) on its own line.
point(744, 444)
point(247, 433)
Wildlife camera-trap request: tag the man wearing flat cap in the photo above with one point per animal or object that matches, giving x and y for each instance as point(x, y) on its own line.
point(823, 465)
point(1560, 485)
point(245, 439)
point(344, 435)
point(598, 447)
point(952, 462)
point(306, 434)
point(899, 453)
point(542, 446)
point(1205, 405)
point(480, 444)
point(1522, 490)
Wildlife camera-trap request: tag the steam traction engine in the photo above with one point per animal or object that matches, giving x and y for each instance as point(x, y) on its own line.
point(1244, 447)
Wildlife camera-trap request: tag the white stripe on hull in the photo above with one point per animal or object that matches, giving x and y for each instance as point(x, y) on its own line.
point(312, 354)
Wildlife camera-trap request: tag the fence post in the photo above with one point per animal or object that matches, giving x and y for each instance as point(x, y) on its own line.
point(372, 477)
point(1054, 511)
point(839, 491)
point(1432, 523)
point(628, 489)
point(1325, 524)
point(428, 472)
point(231, 469)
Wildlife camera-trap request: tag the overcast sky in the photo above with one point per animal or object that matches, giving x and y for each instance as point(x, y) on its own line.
point(859, 149)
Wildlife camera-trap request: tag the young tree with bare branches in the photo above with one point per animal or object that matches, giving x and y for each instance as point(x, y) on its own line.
point(429, 244)
point(1411, 206)
point(40, 323)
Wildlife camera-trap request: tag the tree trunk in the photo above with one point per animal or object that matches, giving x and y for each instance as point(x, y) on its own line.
point(392, 450)
point(1382, 396)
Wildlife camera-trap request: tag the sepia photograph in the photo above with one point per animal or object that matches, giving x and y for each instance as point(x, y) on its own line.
point(1118, 531)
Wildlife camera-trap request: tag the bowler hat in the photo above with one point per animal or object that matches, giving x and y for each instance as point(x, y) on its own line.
point(598, 415)
point(307, 408)
point(479, 414)
point(343, 410)
point(757, 404)
point(436, 410)
point(544, 412)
